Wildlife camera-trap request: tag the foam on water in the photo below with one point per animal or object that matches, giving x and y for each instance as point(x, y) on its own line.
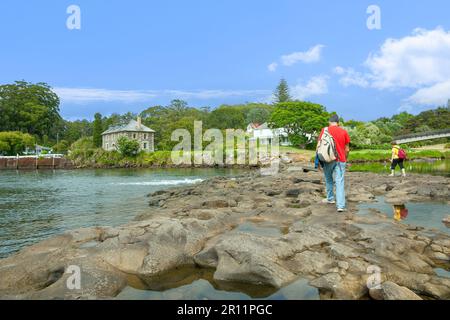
point(160, 182)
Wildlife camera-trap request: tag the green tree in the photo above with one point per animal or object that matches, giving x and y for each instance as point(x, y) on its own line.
point(300, 119)
point(61, 147)
point(352, 123)
point(282, 93)
point(367, 134)
point(83, 143)
point(82, 148)
point(164, 120)
point(74, 130)
point(28, 107)
point(258, 115)
point(227, 117)
point(97, 130)
point(127, 147)
point(435, 119)
point(179, 106)
point(15, 142)
point(118, 119)
point(402, 118)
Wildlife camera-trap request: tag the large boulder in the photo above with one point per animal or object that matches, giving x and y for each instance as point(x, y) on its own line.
point(391, 291)
point(248, 258)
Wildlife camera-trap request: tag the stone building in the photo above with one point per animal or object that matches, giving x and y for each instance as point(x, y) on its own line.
point(134, 130)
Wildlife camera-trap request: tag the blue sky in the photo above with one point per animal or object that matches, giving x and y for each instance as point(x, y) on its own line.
point(129, 55)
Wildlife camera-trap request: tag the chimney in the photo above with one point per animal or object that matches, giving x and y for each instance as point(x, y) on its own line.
point(139, 122)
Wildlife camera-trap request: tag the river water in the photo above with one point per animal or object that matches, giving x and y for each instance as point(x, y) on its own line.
point(35, 205)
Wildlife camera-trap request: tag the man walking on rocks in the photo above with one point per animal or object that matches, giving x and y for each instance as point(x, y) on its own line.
point(335, 170)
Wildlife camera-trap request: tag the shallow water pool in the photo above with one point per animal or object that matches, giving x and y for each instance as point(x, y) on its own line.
point(424, 214)
point(198, 284)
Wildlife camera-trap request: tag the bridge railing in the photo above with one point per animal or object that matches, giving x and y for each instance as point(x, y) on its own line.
point(423, 134)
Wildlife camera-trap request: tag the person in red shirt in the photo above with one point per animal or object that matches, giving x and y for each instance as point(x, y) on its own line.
point(335, 171)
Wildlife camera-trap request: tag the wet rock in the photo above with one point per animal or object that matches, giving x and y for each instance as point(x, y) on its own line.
point(293, 193)
point(335, 286)
point(446, 221)
point(251, 259)
point(360, 195)
point(93, 283)
point(128, 259)
point(310, 262)
point(86, 234)
point(219, 203)
point(272, 193)
point(313, 181)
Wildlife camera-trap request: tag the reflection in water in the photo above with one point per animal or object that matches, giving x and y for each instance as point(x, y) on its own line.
point(400, 212)
point(193, 283)
point(446, 221)
point(442, 273)
point(426, 214)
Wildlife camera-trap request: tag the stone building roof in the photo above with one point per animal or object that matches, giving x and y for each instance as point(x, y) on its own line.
point(132, 126)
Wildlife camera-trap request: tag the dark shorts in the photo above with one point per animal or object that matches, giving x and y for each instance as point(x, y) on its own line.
point(396, 162)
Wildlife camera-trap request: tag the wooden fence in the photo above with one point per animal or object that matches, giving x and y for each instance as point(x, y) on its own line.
point(33, 162)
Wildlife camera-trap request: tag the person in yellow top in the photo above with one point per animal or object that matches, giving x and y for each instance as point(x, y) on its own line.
point(396, 159)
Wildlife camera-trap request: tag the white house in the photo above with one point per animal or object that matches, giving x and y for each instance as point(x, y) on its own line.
point(263, 133)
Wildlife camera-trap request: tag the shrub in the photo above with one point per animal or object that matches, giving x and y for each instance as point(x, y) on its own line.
point(82, 150)
point(127, 147)
point(61, 147)
point(15, 142)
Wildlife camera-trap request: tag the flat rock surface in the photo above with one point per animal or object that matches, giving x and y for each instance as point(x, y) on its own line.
point(200, 225)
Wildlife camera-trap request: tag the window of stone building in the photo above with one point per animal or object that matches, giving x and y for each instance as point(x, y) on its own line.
point(145, 145)
point(134, 135)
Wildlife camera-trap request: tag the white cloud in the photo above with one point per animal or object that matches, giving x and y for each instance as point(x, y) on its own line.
point(310, 56)
point(350, 77)
point(315, 86)
point(272, 67)
point(420, 59)
point(84, 95)
point(339, 70)
point(213, 94)
point(435, 95)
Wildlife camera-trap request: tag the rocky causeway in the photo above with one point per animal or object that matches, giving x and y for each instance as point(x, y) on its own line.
point(200, 226)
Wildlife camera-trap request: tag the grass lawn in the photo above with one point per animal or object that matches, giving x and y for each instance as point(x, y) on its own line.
point(307, 153)
point(440, 147)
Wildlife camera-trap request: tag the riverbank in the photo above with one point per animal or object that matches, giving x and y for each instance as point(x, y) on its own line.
point(101, 159)
point(201, 226)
